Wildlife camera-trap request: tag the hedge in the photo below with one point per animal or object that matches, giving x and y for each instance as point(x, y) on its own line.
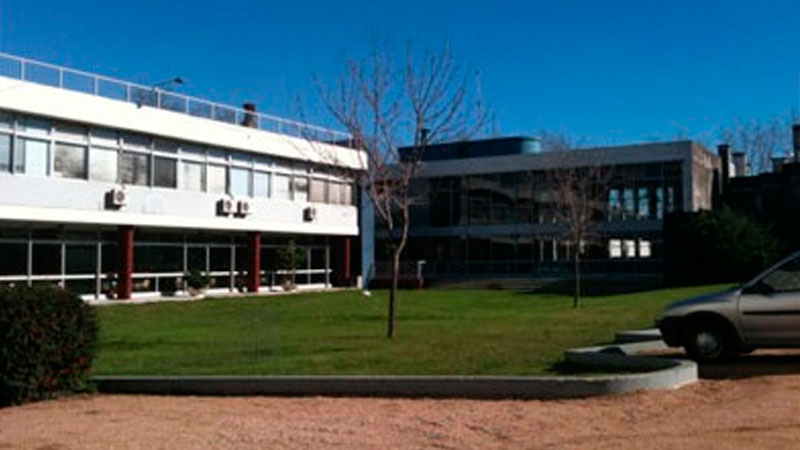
point(48, 338)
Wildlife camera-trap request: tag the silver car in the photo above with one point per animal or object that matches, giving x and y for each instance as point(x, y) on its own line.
point(764, 312)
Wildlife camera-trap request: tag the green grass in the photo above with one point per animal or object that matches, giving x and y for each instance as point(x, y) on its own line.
point(437, 332)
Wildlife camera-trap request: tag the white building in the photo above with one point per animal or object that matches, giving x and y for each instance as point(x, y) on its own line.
point(113, 189)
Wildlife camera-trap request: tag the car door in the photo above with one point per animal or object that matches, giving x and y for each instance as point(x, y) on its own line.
point(769, 310)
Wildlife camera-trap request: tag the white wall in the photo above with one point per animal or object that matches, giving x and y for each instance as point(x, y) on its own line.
point(29, 198)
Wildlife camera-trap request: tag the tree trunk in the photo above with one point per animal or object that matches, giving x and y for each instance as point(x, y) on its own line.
point(576, 300)
point(393, 293)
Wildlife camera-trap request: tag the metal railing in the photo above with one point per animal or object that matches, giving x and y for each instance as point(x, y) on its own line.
point(88, 83)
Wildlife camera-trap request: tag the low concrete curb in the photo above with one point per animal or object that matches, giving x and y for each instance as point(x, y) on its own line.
point(661, 373)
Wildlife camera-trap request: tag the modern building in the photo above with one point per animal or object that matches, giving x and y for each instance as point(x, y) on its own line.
point(487, 208)
point(113, 189)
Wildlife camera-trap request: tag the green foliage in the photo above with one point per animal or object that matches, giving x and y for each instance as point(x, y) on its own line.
point(440, 332)
point(48, 338)
point(717, 246)
point(196, 280)
point(291, 257)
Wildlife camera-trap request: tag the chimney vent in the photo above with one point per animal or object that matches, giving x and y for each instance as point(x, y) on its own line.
point(250, 118)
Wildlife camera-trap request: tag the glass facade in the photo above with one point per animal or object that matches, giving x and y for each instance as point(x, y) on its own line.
point(85, 261)
point(508, 223)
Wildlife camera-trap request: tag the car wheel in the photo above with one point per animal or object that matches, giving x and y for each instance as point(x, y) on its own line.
point(709, 341)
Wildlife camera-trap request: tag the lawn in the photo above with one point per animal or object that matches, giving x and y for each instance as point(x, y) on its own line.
point(460, 332)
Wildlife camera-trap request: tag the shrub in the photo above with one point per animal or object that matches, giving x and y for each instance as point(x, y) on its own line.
point(48, 338)
point(716, 247)
point(195, 280)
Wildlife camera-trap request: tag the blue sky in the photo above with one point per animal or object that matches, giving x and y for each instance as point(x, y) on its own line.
point(609, 71)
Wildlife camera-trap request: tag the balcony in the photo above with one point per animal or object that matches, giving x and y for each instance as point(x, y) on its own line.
point(75, 80)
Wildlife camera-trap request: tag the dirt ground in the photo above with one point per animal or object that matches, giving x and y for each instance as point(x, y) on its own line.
point(749, 408)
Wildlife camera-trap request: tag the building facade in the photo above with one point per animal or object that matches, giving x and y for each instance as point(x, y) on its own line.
point(115, 190)
point(487, 208)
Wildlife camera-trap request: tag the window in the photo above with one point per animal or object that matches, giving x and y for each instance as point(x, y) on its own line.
point(36, 126)
point(69, 161)
point(192, 176)
point(6, 120)
point(660, 203)
point(32, 157)
point(71, 132)
point(347, 194)
point(164, 172)
point(136, 140)
point(165, 145)
point(644, 203)
point(785, 278)
point(260, 184)
point(240, 182)
point(134, 168)
point(282, 187)
point(628, 203)
point(316, 191)
point(5, 153)
point(614, 203)
point(105, 137)
point(629, 248)
point(103, 164)
point(300, 189)
point(216, 179)
point(645, 249)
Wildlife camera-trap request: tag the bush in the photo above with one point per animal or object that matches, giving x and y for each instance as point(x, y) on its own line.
point(195, 280)
point(48, 338)
point(717, 246)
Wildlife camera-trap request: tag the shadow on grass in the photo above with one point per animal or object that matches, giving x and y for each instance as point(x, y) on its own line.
point(600, 285)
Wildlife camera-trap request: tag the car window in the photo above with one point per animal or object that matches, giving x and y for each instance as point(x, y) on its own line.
point(785, 278)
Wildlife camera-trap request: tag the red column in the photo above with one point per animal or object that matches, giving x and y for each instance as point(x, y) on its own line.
point(341, 261)
point(125, 263)
point(346, 277)
point(254, 267)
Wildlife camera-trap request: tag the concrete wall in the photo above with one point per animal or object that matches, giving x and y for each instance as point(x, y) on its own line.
point(29, 198)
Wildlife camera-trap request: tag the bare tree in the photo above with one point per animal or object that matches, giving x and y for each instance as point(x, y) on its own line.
point(760, 139)
point(580, 192)
point(386, 102)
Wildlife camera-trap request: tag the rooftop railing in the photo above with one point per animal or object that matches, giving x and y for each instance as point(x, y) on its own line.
point(75, 80)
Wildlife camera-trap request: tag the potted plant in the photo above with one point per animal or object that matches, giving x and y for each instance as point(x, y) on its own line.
point(196, 283)
point(289, 258)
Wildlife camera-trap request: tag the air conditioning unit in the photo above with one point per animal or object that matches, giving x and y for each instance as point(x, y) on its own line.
point(116, 198)
point(243, 207)
point(226, 207)
point(310, 214)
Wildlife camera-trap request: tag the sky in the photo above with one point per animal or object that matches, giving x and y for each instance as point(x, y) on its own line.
point(607, 72)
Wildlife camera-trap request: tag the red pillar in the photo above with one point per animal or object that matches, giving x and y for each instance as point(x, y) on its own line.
point(346, 277)
point(254, 266)
point(125, 264)
point(341, 261)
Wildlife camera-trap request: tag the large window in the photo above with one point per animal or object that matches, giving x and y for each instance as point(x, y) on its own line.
point(216, 179)
point(260, 184)
point(282, 187)
point(134, 168)
point(240, 182)
point(5, 153)
point(69, 161)
point(32, 157)
point(103, 164)
point(164, 172)
point(192, 176)
point(317, 191)
point(300, 189)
